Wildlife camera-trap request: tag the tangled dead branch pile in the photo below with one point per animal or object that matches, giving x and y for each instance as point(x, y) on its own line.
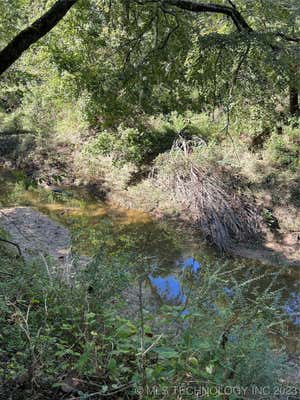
point(223, 215)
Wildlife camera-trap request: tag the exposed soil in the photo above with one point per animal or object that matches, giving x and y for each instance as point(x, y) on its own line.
point(36, 234)
point(283, 249)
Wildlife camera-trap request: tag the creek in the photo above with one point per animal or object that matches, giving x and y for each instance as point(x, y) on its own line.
point(171, 255)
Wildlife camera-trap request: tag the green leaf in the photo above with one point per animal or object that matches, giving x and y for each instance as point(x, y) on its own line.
point(83, 360)
point(112, 364)
point(126, 330)
point(166, 352)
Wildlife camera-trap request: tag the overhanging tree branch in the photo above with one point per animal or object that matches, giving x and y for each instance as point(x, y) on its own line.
point(190, 5)
point(33, 33)
point(50, 19)
point(232, 12)
point(287, 37)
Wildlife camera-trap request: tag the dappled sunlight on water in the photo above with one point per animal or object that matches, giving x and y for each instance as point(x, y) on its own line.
point(63, 206)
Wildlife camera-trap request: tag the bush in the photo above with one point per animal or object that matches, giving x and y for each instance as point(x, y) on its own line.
point(131, 145)
point(144, 142)
point(58, 338)
point(282, 151)
point(16, 146)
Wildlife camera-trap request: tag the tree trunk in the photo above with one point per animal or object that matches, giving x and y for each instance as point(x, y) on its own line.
point(33, 33)
point(294, 101)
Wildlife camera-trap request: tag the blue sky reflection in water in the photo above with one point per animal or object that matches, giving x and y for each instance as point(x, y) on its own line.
point(292, 308)
point(169, 288)
point(191, 264)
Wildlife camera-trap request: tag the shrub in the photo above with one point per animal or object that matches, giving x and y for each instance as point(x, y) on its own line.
point(131, 145)
point(282, 150)
point(58, 338)
point(144, 142)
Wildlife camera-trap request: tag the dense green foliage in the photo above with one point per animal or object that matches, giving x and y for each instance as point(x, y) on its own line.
point(123, 65)
point(116, 73)
point(83, 337)
point(100, 101)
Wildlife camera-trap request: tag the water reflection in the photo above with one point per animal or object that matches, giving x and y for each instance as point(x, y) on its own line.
point(228, 291)
point(191, 264)
point(292, 308)
point(170, 289)
point(133, 238)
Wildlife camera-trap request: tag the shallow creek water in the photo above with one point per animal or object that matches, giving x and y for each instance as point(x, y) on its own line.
point(173, 253)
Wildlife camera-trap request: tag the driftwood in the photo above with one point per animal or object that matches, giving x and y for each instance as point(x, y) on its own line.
point(223, 215)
